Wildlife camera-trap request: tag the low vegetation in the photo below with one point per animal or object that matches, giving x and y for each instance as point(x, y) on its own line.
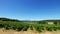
point(17, 25)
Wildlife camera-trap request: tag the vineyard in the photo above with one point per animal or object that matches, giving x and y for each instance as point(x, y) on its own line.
point(18, 26)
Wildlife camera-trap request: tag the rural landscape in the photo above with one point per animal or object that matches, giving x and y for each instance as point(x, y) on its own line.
point(29, 16)
point(14, 26)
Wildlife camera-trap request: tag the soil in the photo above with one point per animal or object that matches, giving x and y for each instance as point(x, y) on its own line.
point(26, 32)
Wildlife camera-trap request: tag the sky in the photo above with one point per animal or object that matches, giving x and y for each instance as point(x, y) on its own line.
point(30, 9)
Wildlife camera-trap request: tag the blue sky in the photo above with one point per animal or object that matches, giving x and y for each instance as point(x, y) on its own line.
point(30, 9)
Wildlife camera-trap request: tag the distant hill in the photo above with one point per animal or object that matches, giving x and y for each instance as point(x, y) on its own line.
point(45, 21)
point(27, 21)
point(15, 20)
point(7, 19)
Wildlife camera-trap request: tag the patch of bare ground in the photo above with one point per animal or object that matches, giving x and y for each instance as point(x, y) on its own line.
point(53, 32)
point(17, 32)
point(27, 32)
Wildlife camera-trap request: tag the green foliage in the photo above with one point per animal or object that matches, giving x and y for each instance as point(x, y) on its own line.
point(24, 26)
point(31, 27)
point(42, 22)
point(48, 27)
point(14, 25)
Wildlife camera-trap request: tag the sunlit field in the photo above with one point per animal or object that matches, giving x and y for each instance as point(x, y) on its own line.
point(19, 27)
